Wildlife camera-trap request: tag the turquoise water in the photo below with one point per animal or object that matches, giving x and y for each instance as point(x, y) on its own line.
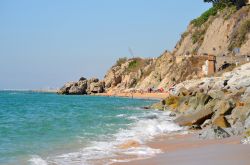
point(41, 128)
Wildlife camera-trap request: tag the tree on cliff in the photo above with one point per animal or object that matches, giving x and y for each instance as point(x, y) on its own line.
point(223, 3)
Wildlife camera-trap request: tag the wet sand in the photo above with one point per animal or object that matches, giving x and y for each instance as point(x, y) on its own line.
point(189, 150)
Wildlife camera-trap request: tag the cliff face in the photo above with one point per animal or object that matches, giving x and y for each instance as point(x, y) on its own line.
point(219, 36)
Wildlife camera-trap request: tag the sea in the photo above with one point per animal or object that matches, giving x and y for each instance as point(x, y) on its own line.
point(50, 129)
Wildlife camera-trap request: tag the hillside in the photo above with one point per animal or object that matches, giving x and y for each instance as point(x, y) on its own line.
point(223, 33)
point(219, 35)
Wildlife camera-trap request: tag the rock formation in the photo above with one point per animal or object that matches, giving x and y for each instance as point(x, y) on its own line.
point(210, 102)
point(221, 35)
point(82, 87)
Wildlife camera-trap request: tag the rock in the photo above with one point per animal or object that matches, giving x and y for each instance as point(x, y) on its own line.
point(83, 86)
point(236, 129)
point(246, 139)
point(172, 114)
point(247, 133)
point(206, 123)
point(221, 122)
point(93, 80)
point(247, 92)
point(195, 127)
point(247, 122)
point(196, 117)
point(224, 107)
point(239, 114)
point(129, 144)
point(216, 94)
point(146, 107)
point(183, 92)
point(76, 90)
point(172, 102)
point(96, 87)
point(199, 101)
point(158, 106)
point(65, 89)
point(214, 132)
point(82, 79)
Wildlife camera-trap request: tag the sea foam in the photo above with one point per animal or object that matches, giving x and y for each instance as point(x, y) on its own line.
point(37, 160)
point(146, 127)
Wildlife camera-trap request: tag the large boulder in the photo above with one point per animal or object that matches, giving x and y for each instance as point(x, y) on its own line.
point(239, 114)
point(214, 132)
point(76, 90)
point(221, 121)
point(196, 117)
point(65, 89)
point(216, 94)
point(96, 87)
point(198, 102)
point(223, 108)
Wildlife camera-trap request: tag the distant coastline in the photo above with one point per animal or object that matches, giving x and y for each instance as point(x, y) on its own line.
point(31, 90)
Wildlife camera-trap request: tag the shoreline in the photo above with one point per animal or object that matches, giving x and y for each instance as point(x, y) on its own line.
point(188, 149)
point(137, 95)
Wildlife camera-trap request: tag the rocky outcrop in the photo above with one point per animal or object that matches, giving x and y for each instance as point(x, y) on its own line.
point(214, 133)
point(210, 103)
point(128, 74)
point(82, 87)
point(141, 74)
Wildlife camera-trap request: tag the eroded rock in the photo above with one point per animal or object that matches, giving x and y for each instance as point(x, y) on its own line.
point(214, 132)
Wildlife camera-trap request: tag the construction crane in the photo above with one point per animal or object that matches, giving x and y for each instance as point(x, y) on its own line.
point(131, 52)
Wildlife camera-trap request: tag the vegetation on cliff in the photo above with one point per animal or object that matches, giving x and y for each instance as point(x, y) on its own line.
point(121, 61)
point(218, 5)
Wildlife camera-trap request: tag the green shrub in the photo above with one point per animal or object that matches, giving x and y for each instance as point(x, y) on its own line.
point(121, 61)
point(135, 64)
point(205, 16)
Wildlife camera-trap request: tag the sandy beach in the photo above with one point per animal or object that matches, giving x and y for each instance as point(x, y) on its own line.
point(139, 95)
point(189, 150)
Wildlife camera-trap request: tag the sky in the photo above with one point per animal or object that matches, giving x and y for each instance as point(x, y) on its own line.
point(45, 43)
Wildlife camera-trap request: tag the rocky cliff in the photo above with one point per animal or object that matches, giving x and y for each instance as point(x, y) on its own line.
point(222, 34)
